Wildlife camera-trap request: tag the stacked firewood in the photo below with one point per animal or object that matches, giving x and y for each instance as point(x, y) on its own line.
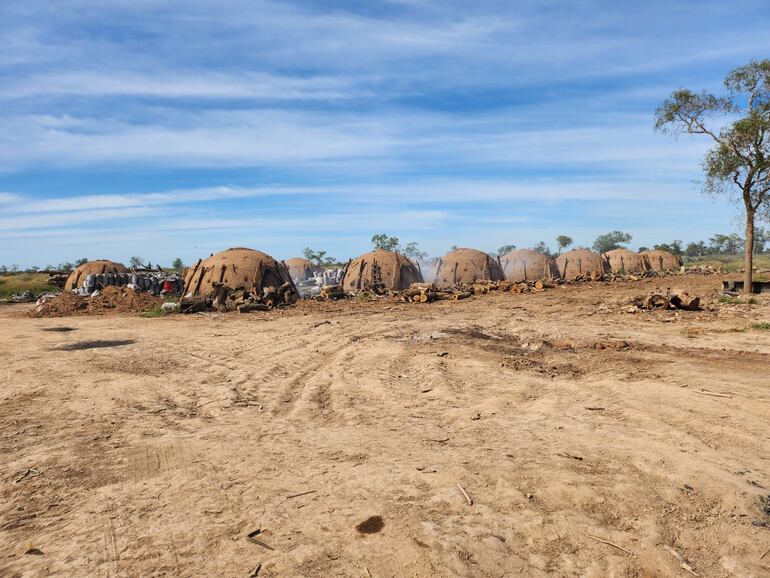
point(429, 292)
point(332, 292)
point(532, 286)
point(240, 299)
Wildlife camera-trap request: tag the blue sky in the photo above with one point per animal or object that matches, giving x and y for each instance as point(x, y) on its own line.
point(183, 127)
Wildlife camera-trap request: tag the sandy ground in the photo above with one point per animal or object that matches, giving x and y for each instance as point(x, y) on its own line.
point(159, 457)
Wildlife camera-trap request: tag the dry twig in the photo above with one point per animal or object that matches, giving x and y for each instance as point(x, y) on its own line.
point(603, 541)
point(300, 494)
point(712, 393)
point(680, 558)
point(465, 494)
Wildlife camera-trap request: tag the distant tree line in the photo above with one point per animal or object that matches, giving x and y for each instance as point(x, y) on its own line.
point(68, 267)
point(717, 245)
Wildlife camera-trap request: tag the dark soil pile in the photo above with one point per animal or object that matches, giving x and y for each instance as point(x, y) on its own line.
point(111, 300)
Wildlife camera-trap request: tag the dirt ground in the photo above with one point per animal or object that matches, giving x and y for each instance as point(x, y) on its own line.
point(341, 431)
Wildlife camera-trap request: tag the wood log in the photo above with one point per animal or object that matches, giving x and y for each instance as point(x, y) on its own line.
point(656, 301)
point(683, 300)
point(249, 307)
point(462, 295)
point(194, 304)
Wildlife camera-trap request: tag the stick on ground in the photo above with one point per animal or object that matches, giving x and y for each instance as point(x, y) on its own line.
point(465, 494)
point(712, 393)
point(300, 494)
point(603, 541)
point(680, 558)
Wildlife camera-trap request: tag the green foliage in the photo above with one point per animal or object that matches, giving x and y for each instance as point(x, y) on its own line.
point(727, 300)
point(178, 264)
point(674, 247)
point(610, 241)
point(738, 164)
point(764, 326)
point(562, 241)
point(541, 247)
point(135, 262)
point(319, 258)
point(505, 249)
point(80, 262)
point(412, 250)
point(384, 242)
point(157, 312)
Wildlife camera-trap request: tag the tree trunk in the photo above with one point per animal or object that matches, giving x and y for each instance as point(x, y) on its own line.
point(748, 274)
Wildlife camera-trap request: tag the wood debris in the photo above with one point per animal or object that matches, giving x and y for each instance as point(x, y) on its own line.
point(603, 541)
point(468, 499)
point(683, 563)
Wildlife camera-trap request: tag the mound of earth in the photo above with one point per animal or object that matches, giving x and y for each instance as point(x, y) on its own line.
point(111, 300)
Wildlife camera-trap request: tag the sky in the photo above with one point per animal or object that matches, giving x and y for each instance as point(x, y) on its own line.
point(179, 128)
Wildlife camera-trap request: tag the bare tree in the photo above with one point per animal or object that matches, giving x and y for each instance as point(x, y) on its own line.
point(739, 163)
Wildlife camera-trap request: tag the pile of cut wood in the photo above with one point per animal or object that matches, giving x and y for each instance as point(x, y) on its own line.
point(429, 292)
point(704, 270)
point(677, 299)
point(224, 299)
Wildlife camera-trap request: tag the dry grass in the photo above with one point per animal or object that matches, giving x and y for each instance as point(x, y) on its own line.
point(20, 282)
point(731, 263)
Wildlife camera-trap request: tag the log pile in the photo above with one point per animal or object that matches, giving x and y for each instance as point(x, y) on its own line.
point(332, 292)
point(241, 299)
point(677, 299)
point(430, 292)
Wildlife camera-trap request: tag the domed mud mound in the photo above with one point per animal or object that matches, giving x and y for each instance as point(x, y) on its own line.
point(78, 276)
point(581, 263)
point(300, 269)
point(236, 268)
point(661, 261)
point(625, 261)
point(380, 271)
point(523, 265)
point(466, 266)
